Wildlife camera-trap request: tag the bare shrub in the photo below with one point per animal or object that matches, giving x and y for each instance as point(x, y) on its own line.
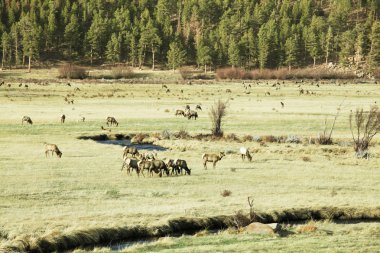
point(306, 159)
point(186, 73)
point(183, 134)
point(240, 219)
point(138, 138)
point(376, 73)
point(311, 226)
point(268, 138)
point(230, 73)
point(366, 126)
point(232, 137)
point(71, 71)
point(165, 135)
point(247, 137)
point(226, 193)
point(324, 138)
point(217, 112)
point(119, 72)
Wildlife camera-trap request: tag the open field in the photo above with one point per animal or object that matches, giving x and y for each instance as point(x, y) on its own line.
point(86, 189)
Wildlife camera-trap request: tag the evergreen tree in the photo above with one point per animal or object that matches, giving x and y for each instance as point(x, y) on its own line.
point(233, 53)
point(72, 36)
point(6, 46)
point(176, 55)
point(347, 47)
point(374, 55)
point(328, 43)
point(203, 55)
point(113, 49)
point(292, 50)
point(30, 39)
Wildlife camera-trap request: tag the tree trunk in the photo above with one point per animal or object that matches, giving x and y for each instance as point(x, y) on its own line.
point(152, 58)
point(314, 59)
point(16, 52)
point(29, 64)
point(91, 56)
point(205, 68)
point(2, 60)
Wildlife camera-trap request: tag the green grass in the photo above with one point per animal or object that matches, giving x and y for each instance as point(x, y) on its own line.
point(85, 188)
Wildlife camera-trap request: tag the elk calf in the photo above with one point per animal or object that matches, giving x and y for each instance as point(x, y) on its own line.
point(53, 149)
point(214, 158)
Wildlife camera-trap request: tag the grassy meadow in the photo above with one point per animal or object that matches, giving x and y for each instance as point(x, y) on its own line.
point(86, 189)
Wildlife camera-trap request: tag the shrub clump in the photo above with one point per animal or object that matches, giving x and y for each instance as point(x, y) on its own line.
point(186, 73)
point(119, 72)
point(230, 73)
point(72, 71)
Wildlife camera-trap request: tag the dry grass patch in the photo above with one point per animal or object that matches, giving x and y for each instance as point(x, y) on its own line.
point(309, 227)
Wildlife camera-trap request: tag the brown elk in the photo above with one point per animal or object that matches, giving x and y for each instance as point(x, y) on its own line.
point(214, 158)
point(27, 119)
point(156, 166)
point(192, 114)
point(131, 164)
point(244, 152)
point(53, 149)
point(179, 112)
point(130, 150)
point(182, 166)
point(112, 121)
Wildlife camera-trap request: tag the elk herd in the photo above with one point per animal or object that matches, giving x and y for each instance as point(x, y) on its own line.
point(188, 113)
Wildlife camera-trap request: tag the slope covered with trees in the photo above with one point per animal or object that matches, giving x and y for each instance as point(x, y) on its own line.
point(244, 33)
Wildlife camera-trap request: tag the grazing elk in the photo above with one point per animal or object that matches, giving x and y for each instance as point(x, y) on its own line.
point(27, 119)
point(192, 114)
point(131, 164)
point(130, 150)
point(148, 156)
point(174, 168)
point(179, 112)
point(63, 118)
point(156, 166)
point(244, 152)
point(112, 121)
point(53, 149)
point(214, 158)
point(198, 107)
point(182, 166)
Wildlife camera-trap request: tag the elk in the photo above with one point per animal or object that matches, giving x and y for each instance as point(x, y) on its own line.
point(53, 149)
point(156, 166)
point(27, 119)
point(63, 117)
point(198, 107)
point(148, 156)
point(174, 168)
point(244, 152)
point(192, 114)
point(214, 158)
point(131, 164)
point(182, 165)
point(112, 121)
point(179, 112)
point(130, 150)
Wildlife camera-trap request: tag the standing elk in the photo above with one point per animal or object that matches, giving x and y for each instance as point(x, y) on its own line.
point(63, 118)
point(156, 166)
point(27, 119)
point(53, 149)
point(112, 121)
point(130, 150)
point(244, 152)
point(192, 114)
point(214, 158)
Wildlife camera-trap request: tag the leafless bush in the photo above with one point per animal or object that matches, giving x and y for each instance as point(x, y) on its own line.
point(306, 159)
point(247, 137)
point(230, 73)
point(186, 73)
point(217, 112)
point(376, 73)
point(365, 127)
point(165, 135)
point(232, 137)
point(183, 134)
point(71, 71)
point(119, 72)
point(324, 138)
point(226, 193)
point(240, 219)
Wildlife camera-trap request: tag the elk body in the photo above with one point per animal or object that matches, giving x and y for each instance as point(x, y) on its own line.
point(214, 158)
point(156, 166)
point(131, 164)
point(179, 112)
point(63, 118)
point(191, 114)
point(130, 150)
point(53, 149)
point(244, 152)
point(112, 121)
point(26, 119)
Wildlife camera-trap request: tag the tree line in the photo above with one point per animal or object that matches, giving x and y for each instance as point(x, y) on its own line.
point(243, 33)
